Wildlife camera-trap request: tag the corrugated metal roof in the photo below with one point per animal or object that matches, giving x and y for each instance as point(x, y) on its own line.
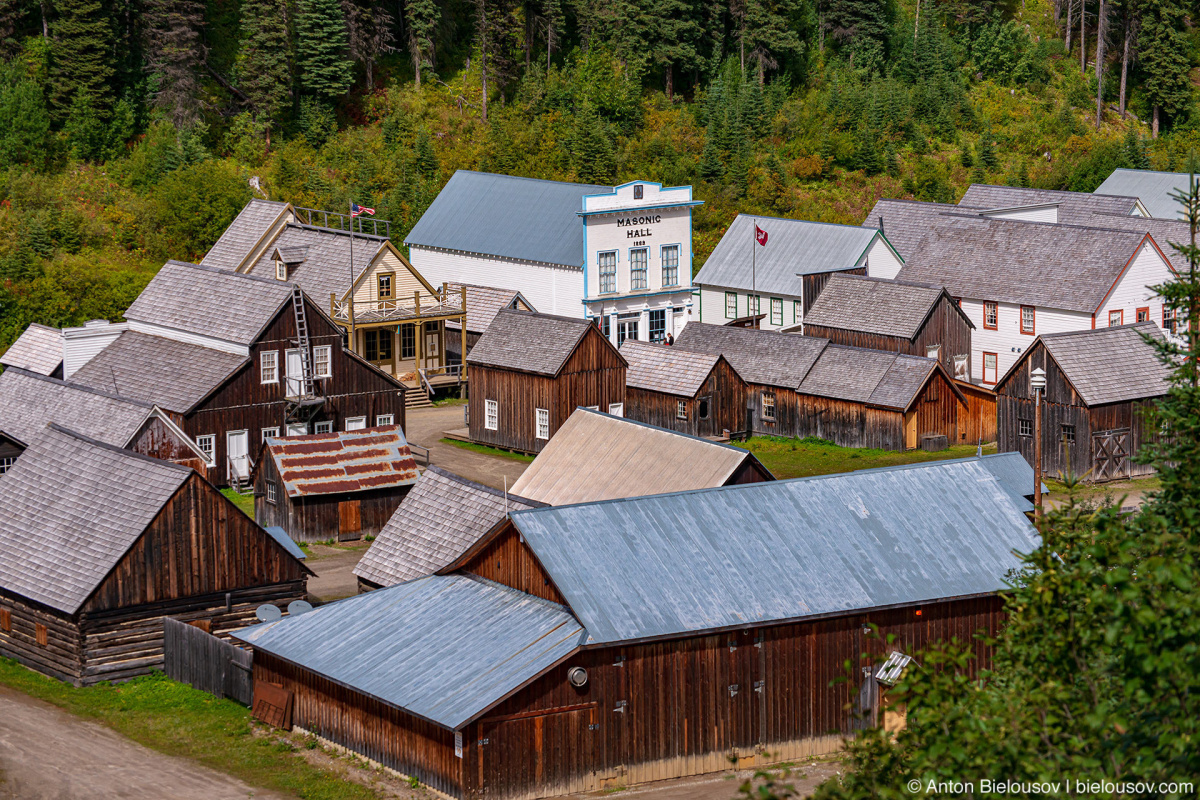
point(671, 370)
point(343, 462)
point(281, 536)
point(596, 456)
point(1154, 189)
point(246, 230)
point(529, 342)
point(741, 555)
point(794, 247)
point(873, 305)
point(445, 647)
point(767, 358)
point(1111, 365)
point(38, 349)
point(28, 402)
point(503, 215)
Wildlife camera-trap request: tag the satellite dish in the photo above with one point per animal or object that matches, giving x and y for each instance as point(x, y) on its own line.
point(268, 613)
point(298, 607)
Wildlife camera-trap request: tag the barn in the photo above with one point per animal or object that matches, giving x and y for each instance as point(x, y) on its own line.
point(341, 486)
point(606, 644)
point(530, 371)
point(695, 393)
point(100, 544)
point(1099, 386)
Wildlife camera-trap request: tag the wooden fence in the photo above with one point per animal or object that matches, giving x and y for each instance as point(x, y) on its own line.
point(206, 662)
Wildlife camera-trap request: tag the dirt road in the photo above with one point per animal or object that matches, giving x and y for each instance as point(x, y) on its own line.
point(425, 427)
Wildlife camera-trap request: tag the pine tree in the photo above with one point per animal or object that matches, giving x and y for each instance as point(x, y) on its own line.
point(964, 155)
point(426, 158)
point(1165, 56)
point(987, 149)
point(86, 131)
point(83, 62)
point(322, 43)
point(262, 68)
point(846, 20)
point(892, 164)
point(1135, 149)
point(175, 51)
point(369, 28)
point(978, 175)
point(710, 167)
point(591, 150)
point(556, 27)
point(26, 130)
point(422, 18)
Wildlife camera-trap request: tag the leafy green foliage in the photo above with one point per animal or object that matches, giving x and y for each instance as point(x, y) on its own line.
point(197, 203)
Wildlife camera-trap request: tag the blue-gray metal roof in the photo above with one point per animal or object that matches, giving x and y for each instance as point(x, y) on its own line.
point(281, 536)
point(794, 247)
point(1154, 189)
point(445, 648)
point(1011, 470)
point(503, 215)
point(673, 564)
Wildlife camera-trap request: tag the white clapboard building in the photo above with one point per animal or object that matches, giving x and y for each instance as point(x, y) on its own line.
point(619, 255)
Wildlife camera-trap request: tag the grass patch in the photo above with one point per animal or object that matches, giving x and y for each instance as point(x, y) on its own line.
point(488, 451)
point(178, 720)
point(801, 458)
point(243, 501)
point(1103, 492)
point(449, 401)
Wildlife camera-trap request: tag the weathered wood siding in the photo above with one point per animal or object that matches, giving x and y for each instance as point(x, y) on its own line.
point(62, 654)
point(505, 559)
point(976, 422)
point(726, 394)
point(156, 440)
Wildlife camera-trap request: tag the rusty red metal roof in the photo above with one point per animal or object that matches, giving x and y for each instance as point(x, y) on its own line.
point(343, 462)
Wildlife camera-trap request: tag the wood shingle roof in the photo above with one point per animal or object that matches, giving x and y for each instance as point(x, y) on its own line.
point(1111, 365)
point(768, 358)
point(872, 305)
point(243, 234)
point(28, 402)
point(670, 370)
point(38, 349)
point(529, 342)
point(325, 268)
point(1074, 208)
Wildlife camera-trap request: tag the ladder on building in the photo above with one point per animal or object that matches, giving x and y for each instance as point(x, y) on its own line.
point(301, 342)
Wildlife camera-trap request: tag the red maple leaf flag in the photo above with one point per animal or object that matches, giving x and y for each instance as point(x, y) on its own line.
point(760, 235)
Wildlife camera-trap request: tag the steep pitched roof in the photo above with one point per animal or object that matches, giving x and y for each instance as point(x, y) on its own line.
point(1156, 190)
point(38, 349)
point(436, 522)
point(170, 374)
point(874, 377)
point(1074, 208)
point(529, 342)
point(595, 456)
point(245, 232)
point(669, 370)
point(794, 248)
point(675, 564)
point(325, 268)
point(1110, 365)
point(503, 215)
point(871, 305)
point(343, 462)
point(210, 302)
point(29, 402)
point(906, 222)
point(445, 647)
point(1164, 231)
point(485, 302)
point(768, 358)
point(70, 508)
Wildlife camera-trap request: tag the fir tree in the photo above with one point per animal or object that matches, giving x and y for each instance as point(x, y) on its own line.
point(711, 167)
point(422, 18)
point(767, 32)
point(978, 175)
point(26, 130)
point(425, 158)
point(964, 155)
point(83, 63)
point(1135, 150)
point(263, 74)
point(591, 150)
point(322, 43)
point(987, 149)
point(87, 134)
point(892, 164)
point(175, 51)
point(846, 20)
point(1165, 57)
point(369, 28)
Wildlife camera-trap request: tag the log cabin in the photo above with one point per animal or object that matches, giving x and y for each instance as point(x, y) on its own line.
point(530, 371)
point(782, 279)
point(1099, 386)
point(100, 544)
point(235, 359)
point(341, 486)
point(606, 644)
point(699, 394)
point(39, 349)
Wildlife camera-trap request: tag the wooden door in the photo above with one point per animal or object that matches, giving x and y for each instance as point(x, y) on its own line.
point(349, 520)
point(431, 349)
point(705, 425)
point(910, 430)
point(745, 693)
point(295, 373)
point(1110, 454)
point(539, 755)
point(237, 449)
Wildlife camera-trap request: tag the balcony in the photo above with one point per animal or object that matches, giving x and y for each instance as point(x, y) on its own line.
point(420, 306)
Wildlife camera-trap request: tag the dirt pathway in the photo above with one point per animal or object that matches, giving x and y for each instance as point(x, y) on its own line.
point(48, 754)
point(425, 426)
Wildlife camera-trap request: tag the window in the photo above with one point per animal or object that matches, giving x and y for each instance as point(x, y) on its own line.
point(796, 315)
point(270, 433)
point(491, 415)
point(605, 326)
point(658, 325)
point(356, 423)
point(989, 367)
point(756, 301)
point(608, 272)
point(5, 620)
point(43, 636)
point(616, 409)
point(680, 409)
point(961, 371)
point(541, 423)
point(670, 265)
point(323, 361)
point(1068, 434)
point(638, 191)
point(297, 429)
point(268, 366)
point(731, 305)
point(378, 345)
point(324, 426)
point(408, 342)
point(637, 268)
point(1027, 320)
point(208, 445)
point(1024, 427)
point(271, 492)
point(990, 315)
point(1142, 315)
point(1168, 319)
point(6, 463)
point(1116, 318)
point(384, 284)
point(933, 351)
point(280, 270)
point(768, 406)
point(703, 408)
point(384, 419)
point(777, 311)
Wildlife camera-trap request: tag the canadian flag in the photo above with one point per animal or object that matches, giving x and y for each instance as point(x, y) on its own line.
point(760, 235)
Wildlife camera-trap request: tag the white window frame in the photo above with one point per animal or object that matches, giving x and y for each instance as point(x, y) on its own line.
point(268, 366)
point(770, 417)
point(797, 316)
point(639, 272)
point(731, 299)
point(1119, 313)
point(356, 423)
point(995, 369)
point(670, 264)
point(6, 463)
point(541, 423)
point(323, 426)
point(933, 351)
point(280, 270)
point(491, 415)
point(207, 442)
point(384, 419)
point(607, 272)
point(681, 409)
point(270, 433)
point(271, 492)
point(297, 429)
point(325, 351)
point(616, 409)
point(777, 306)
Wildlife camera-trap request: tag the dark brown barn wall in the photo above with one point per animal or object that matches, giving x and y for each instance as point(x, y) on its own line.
point(977, 422)
point(156, 440)
point(937, 408)
point(506, 560)
point(62, 655)
point(726, 393)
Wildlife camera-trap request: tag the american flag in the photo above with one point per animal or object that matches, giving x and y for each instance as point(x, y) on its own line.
point(356, 209)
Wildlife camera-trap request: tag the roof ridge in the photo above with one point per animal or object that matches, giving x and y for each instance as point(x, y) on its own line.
point(337, 231)
point(455, 477)
point(79, 386)
point(805, 222)
point(1095, 331)
point(525, 313)
point(226, 272)
point(532, 180)
point(54, 426)
point(1051, 191)
point(629, 421)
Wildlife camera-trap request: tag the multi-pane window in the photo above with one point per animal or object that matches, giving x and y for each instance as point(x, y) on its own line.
point(796, 315)
point(271, 492)
point(608, 272)
point(1027, 319)
point(768, 405)
point(680, 409)
point(385, 285)
point(6, 463)
point(989, 367)
point(1024, 427)
point(208, 445)
point(616, 409)
point(670, 265)
point(658, 325)
point(324, 426)
point(385, 419)
point(990, 315)
point(637, 268)
point(268, 366)
point(605, 325)
point(731, 305)
point(1116, 318)
point(1143, 315)
point(1068, 434)
point(378, 344)
point(408, 342)
point(491, 415)
point(1168, 319)
point(755, 304)
point(541, 423)
point(270, 433)
point(777, 311)
point(322, 361)
point(356, 423)
point(280, 270)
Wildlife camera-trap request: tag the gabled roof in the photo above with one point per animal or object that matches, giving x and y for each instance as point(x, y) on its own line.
point(485, 302)
point(596, 456)
point(767, 358)
point(170, 374)
point(906, 222)
point(436, 522)
point(1164, 231)
point(1074, 208)
point(670, 370)
point(444, 648)
point(794, 247)
point(70, 508)
point(210, 302)
point(29, 402)
point(245, 233)
point(1155, 189)
point(677, 564)
point(325, 268)
point(872, 305)
point(506, 216)
point(343, 462)
point(529, 342)
point(38, 349)
point(874, 377)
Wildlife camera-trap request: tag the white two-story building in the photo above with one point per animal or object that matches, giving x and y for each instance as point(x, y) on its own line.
point(621, 256)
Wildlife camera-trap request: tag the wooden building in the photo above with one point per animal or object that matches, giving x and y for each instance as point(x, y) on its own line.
point(483, 303)
point(606, 644)
point(688, 392)
point(341, 486)
point(39, 349)
point(235, 359)
point(530, 371)
point(1099, 385)
point(976, 422)
point(100, 544)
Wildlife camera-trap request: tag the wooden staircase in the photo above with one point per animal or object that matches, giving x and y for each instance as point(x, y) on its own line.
point(416, 397)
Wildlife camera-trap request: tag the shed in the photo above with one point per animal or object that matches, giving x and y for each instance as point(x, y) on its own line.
point(39, 349)
point(100, 544)
point(529, 371)
point(342, 485)
point(1099, 386)
point(483, 304)
point(694, 393)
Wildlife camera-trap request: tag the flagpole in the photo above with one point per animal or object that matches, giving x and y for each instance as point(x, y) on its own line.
point(353, 348)
point(753, 270)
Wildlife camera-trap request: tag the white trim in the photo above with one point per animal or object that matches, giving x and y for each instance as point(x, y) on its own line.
point(541, 423)
point(229, 465)
point(356, 423)
point(211, 455)
point(616, 409)
point(323, 426)
point(297, 429)
point(163, 332)
point(263, 357)
point(328, 350)
point(270, 433)
point(491, 415)
point(384, 419)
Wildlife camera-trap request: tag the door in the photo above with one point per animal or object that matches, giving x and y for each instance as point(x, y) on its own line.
point(431, 348)
point(744, 693)
point(295, 373)
point(1110, 454)
point(910, 430)
point(237, 449)
point(540, 755)
point(349, 520)
point(704, 417)
point(626, 329)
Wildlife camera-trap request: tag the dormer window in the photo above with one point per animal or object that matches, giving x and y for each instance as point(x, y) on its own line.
point(637, 191)
point(280, 270)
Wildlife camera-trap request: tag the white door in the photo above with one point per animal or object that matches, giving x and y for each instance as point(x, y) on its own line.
point(295, 373)
point(297, 429)
point(237, 449)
